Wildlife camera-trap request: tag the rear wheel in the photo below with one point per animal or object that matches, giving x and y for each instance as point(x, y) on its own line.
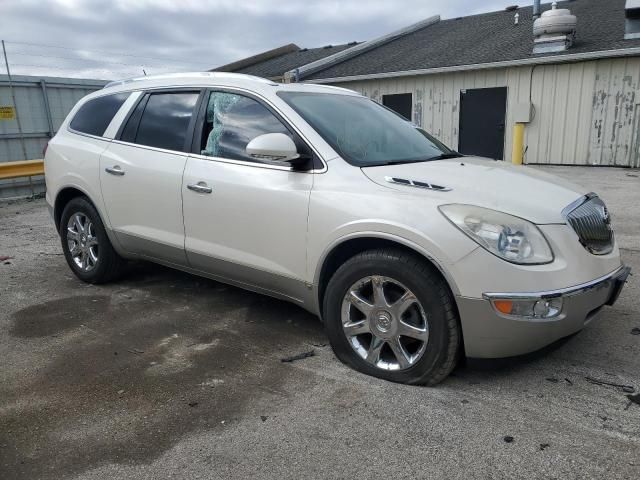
point(86, 245)
point(391, 315)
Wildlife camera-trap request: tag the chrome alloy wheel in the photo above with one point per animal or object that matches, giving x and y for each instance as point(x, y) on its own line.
point(385, 323)
point(82, 242)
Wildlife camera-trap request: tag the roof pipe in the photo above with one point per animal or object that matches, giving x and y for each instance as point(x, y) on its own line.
point(536, 9)
point(313, 67)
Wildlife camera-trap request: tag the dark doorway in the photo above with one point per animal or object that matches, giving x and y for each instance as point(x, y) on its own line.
point(399, 103)
point(482, 117)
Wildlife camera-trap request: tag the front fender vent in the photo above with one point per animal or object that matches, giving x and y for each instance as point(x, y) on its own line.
point(417, 184)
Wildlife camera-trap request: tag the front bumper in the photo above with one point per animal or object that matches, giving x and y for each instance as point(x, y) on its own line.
point(488, 334)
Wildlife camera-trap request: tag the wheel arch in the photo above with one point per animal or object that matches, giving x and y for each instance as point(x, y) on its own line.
point(68, 193)
point(346, 248)
point(63, 197)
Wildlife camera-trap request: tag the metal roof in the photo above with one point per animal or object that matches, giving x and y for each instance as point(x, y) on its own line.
point(277, 66)
point(485, 39)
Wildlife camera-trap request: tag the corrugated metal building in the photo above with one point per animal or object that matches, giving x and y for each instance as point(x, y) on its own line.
point(586, 113)
point(468, 80)
point(579, 97)
point(42, 103)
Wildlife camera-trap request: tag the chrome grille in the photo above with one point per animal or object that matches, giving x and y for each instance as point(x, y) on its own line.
point(590, 219)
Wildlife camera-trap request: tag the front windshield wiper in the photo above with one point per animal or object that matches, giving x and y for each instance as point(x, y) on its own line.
point(444, 156)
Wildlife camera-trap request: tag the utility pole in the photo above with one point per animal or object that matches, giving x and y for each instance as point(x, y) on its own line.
point(15, 106)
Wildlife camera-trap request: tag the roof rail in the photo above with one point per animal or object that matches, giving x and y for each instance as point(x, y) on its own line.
point(164, 76)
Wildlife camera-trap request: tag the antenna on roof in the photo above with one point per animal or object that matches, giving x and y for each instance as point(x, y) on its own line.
point(145, 73)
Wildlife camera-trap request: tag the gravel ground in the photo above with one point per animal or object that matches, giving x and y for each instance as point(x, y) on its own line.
point(166, 375)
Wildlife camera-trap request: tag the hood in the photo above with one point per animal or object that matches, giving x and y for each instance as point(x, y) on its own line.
point(521, 191)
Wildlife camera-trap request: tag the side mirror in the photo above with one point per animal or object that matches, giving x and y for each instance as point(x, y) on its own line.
point(273, 146)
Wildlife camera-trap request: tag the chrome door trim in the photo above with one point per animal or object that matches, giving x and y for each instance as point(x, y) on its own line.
point(154, 149)
point(240, 162)
point(152, 249)
point(82, 134)
point(240, 275)
point(247, 163)
point(244, 276)
point(209, 158)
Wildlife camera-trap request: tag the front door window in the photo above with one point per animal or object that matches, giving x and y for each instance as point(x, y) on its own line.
point(232, 121)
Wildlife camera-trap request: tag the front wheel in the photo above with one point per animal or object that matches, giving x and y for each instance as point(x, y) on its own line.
point(391, 315)
point(86, 245)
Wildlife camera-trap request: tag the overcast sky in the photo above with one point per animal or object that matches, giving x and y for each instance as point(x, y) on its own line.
point(118, 38)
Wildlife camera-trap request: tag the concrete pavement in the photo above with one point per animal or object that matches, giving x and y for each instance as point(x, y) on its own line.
point(166, 375)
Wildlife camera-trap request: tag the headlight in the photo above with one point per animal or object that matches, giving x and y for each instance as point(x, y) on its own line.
point(511, 238)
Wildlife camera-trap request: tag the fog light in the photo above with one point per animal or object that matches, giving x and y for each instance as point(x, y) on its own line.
point(529, 307)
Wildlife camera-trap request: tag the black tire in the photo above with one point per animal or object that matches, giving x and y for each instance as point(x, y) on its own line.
point(443, 345)
point(109, 264)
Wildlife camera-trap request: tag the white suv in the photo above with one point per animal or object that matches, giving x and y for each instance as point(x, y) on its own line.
point(412, 254)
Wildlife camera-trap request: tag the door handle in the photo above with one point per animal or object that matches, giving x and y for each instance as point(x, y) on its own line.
point(115, 170)
point(200, 187)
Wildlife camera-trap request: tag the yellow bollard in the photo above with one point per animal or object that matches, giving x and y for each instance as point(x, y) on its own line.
point(518, 144)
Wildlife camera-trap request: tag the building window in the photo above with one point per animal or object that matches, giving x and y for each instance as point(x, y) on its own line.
point(399, 103)
point(632, 20)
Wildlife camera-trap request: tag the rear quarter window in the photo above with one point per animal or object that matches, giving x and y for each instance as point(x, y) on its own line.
point(95, 115)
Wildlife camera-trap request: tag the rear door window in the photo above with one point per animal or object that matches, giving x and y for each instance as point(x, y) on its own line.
point(130, 128)
point(161, 120)
point(95, 115)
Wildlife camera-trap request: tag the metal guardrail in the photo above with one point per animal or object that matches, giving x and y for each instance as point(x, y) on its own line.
point(24, 168)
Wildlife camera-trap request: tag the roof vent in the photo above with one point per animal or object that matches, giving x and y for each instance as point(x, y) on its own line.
point(632, 19)
point(554, 31)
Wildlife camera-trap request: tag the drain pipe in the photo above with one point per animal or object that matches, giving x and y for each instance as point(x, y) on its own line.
point(523, 113)
point(536, 9)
